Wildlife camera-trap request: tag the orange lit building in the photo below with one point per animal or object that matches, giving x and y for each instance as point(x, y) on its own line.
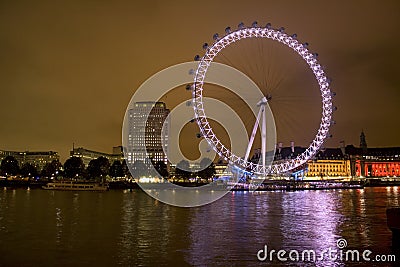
point(373, 162)
point(377, 169)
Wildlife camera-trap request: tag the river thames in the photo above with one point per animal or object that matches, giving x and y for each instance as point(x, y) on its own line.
point(65, 228)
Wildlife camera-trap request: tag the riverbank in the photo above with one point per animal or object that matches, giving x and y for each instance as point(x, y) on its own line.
point(33, 184)
point(279, 185)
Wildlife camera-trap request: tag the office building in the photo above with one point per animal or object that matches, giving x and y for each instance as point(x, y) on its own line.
point(148, 132)
point(87, 155)
point(37, 158)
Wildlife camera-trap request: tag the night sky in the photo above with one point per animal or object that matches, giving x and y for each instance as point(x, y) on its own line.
point(68, 69)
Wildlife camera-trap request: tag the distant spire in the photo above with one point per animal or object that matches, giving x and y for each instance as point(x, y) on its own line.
point(363, 142)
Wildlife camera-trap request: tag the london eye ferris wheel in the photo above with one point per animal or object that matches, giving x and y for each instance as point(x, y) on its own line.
point(279, 36)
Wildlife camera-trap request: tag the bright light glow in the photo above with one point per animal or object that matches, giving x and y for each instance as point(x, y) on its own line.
point(149, 180)
point(207, 131)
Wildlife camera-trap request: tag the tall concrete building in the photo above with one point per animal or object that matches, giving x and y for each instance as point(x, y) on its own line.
point(146, 137)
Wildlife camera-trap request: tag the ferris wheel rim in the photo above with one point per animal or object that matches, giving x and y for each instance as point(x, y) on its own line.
point(302, 50)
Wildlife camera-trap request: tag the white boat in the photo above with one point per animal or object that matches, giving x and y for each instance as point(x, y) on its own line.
point(76, 186)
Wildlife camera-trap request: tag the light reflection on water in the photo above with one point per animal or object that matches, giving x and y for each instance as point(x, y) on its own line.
point(131, 229)
point(295, 220)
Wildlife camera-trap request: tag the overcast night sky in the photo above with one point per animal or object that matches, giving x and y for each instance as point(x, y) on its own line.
point(68, 69)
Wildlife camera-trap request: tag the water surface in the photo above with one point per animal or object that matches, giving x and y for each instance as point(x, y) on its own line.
point(64, 228)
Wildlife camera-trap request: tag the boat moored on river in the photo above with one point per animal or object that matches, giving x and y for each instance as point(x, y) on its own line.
point(76, 186)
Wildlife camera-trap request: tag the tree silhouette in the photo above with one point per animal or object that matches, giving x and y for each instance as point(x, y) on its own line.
point(28, 170)
point(161, 169)
point(207, 169)
point(139, 169)
point(182, 169)
point(125, 168)
point(99, 167)
point(52, 169)
point(9, 166)
point(116, 169)
point(73, 167)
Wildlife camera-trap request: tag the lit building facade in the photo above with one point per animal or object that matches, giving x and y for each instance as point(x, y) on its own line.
point(329, 163)
point(377, 169)
point(148, 132)
point(367, 162)
point(349, 161)
point(328, 168)
point(222, 170)
point(37, 158)
point(87, 155)
point(375, 162)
